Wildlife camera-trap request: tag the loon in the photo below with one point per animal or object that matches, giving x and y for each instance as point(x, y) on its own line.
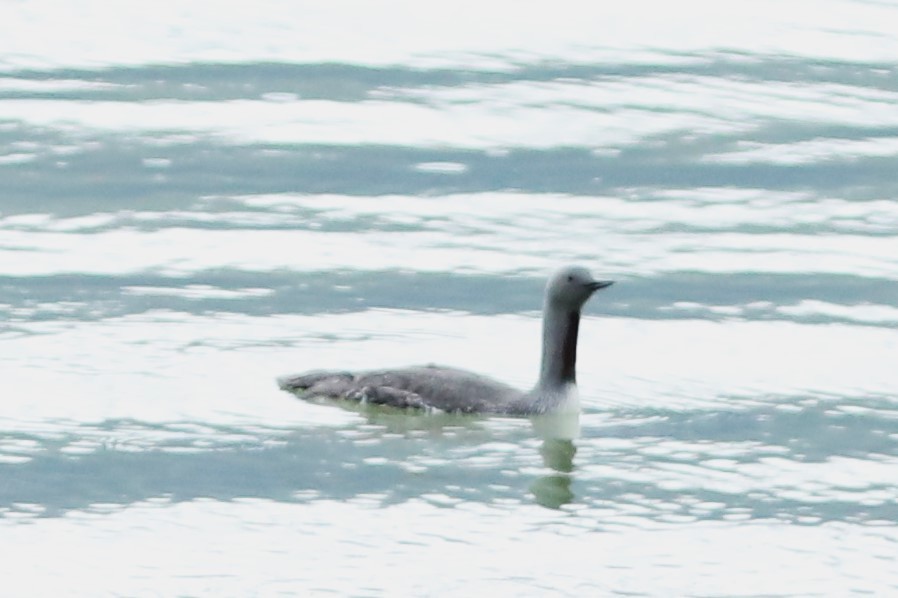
point(439, 388)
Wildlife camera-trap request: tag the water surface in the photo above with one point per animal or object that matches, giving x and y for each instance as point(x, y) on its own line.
point(195, 200)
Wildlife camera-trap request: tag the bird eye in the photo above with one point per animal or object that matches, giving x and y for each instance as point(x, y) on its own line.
point(570, 278)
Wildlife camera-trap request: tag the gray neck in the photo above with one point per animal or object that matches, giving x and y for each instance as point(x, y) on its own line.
point(560, 326)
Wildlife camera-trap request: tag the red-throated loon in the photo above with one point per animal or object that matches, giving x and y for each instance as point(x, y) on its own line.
point(452, 390)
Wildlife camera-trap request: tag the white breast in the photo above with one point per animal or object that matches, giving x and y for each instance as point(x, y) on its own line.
point(569, 402)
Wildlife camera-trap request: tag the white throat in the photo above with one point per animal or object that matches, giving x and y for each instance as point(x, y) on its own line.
point(568, 401)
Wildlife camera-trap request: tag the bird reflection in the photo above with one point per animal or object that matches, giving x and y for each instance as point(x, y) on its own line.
point(558, 433)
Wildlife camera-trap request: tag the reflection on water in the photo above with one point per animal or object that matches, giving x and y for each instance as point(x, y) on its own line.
point(554, 490)
point(560, 426)
point(199, 198)
point(559, 432)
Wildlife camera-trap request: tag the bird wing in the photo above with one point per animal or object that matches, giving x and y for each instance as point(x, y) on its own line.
point(436, 387)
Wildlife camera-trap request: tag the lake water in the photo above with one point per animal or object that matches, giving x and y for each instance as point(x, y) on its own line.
point(196, 198)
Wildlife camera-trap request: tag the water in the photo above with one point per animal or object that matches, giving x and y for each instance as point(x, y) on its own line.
point(195, 199)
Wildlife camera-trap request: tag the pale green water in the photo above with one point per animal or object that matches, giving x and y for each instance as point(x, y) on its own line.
point(196, 200)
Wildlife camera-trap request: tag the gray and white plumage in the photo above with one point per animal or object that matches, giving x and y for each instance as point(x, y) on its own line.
point(452, 390)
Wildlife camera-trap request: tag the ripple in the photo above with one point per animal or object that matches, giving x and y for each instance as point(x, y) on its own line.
point(627, 110)
point(197, 291)
point(442, 36)
point(175, 547)
point(428, 237)
point(233, 194)
point(806, 152)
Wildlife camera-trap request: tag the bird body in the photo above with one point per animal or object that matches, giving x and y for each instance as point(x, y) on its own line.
point(433, 387)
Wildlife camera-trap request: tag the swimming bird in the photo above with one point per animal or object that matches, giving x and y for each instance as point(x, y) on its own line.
point(433, 387)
